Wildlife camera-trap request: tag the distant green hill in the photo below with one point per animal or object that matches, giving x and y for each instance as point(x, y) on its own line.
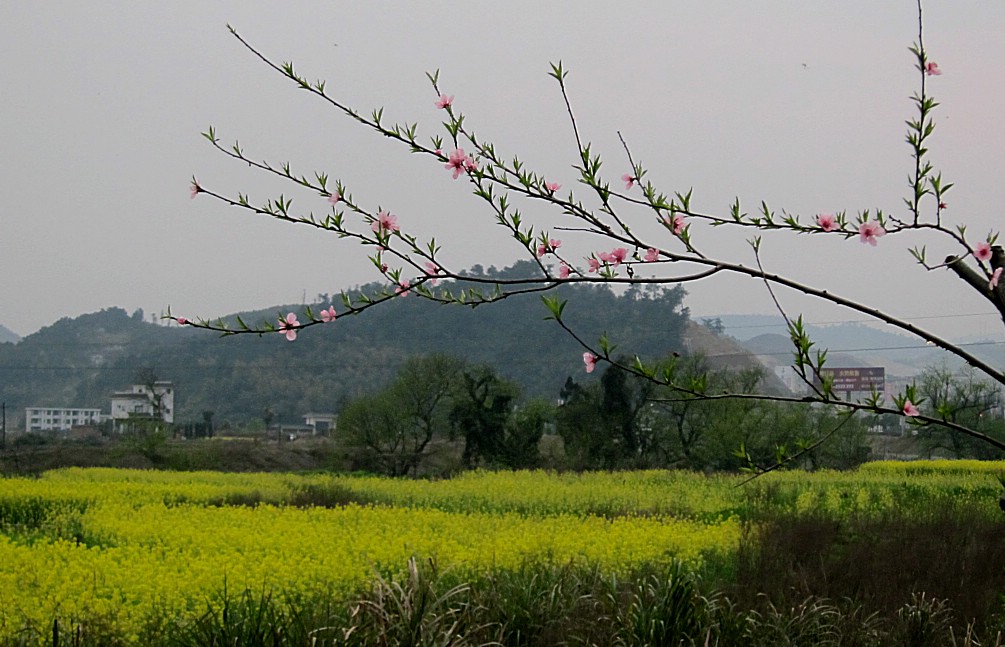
point(80, 362)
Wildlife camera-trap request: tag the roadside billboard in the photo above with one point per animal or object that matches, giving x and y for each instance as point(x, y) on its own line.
point(861, 379)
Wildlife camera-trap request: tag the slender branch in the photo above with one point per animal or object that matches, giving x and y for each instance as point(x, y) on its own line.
point(779, 464)
point(800, 350)
point(496, 179)
point(721, 265)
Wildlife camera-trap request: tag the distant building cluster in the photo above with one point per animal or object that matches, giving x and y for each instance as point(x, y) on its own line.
point(144, 401)
point(152, 402)
point(59, 419)
point(141, 401)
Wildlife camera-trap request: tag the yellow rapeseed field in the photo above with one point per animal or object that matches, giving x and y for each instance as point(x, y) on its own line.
point(128, 549)
point(121, 548)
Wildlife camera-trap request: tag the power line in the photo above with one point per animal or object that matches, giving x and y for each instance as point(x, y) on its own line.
point(301, 366)
point(695, 318)
point(781, 323)
point(861, 350)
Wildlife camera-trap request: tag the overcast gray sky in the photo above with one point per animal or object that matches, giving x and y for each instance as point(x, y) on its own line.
point(801, 104)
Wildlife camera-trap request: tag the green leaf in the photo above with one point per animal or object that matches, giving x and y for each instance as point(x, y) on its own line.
point(555, 305)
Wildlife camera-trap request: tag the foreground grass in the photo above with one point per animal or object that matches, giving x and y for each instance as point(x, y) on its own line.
point(543, 606)
point(878, 556)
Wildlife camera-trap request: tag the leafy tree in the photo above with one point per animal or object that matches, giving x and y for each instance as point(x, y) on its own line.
point(847, 449)
point(818, 436)
point(602, 425)
point(715, 326)
point(480, 414)
point(396, 426)
point(524, 431)
point(579, 423)
point(496, 430)
point(693, 430)
point(627, 421)
point(962, 397)
point(379, 431)
point(623, 399)
point(207, 420)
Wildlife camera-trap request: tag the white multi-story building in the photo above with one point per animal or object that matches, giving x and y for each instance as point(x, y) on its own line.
point(59, 418)
point(142, 401)
point(323, 424)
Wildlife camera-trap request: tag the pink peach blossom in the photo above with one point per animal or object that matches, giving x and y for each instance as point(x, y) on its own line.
point(652, 255)
point(982, 251)
point(544, 248)
point(432, 269)
point(995, 276)
point(563, 271)
point(615, 257)
point(629, 180)
point(550, 246)
point(335, 197)
point(328, 315)
point(458, 162)
point(679, 222)
point(590, 361)
point(194, 189)
point(444, 101)
point(594, 264)
point(551, 187)
point(827, 221)
point(385, 223)
point(909, 409)
point(932, 69)
point(870, 231)
point(402, 289)
point(289, 326)
point(182, 321)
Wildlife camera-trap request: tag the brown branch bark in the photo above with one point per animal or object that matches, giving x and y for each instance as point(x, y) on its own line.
point(978, 281)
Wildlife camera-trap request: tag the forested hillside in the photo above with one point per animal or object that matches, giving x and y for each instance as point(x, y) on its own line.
point(80, 362)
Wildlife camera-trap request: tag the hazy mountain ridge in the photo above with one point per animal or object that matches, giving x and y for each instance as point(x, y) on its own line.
point(80, 362)
point(8, 336)
point(849, 344)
